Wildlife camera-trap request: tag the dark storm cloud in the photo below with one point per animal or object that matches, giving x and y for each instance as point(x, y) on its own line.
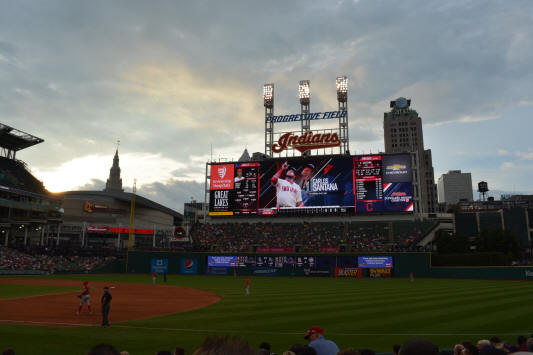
point(174, 193)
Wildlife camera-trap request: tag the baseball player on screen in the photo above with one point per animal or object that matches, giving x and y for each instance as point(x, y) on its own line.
point(85, 297)
point(288, 193)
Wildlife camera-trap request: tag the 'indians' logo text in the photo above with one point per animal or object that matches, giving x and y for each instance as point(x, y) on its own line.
point(306, 142)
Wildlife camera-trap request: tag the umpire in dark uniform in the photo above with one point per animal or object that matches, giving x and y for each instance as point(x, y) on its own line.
point(106, 305)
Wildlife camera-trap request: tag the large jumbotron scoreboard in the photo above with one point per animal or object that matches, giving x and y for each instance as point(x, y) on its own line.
point(362, 184)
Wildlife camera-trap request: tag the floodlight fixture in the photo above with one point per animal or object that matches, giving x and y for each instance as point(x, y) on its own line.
point(303, 92)
point(268, 95)
point(342, 88)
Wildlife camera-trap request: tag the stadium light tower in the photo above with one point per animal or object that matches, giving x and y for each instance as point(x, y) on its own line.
point(268, 102)
point(342, 99)
point(304, 95)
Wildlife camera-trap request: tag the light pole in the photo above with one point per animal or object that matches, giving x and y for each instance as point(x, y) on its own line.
point(268, 102)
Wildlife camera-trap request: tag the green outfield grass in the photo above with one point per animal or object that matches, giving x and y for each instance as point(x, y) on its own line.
point(11, 291)
point(365, 313)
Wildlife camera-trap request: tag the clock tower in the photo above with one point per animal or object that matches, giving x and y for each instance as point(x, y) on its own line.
point(114, 183)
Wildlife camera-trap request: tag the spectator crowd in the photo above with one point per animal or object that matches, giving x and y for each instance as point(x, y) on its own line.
point(306, 237)
point(319, 345)
point(41, 260)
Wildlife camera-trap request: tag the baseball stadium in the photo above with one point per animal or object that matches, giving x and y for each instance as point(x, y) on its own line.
point(304, 248)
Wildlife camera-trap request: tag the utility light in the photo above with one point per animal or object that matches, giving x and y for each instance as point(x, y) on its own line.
point(342, 88)
point(268, 95)
point(303, 92)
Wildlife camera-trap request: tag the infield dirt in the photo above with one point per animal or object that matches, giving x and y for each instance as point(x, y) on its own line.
point(130, 301)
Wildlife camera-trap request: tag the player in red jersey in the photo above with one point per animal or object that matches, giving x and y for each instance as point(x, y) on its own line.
point(85, 297)
point(288, 193)
point(248, 287)
point(154, 276)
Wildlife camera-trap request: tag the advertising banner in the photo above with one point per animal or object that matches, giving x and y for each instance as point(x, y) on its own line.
point(213, 270)
point(265, 271)
point(160, 266)
point(189, 266)
point(374, 261)
point(381, 272)
point(221, 260)
point(317, 272)
point(348, 272)
point(275, 250)
point(312, 185)
point(397, 168)
point(114, 230)
point(329, 250)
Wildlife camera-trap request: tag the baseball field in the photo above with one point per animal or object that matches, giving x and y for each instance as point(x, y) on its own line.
point(37, 314)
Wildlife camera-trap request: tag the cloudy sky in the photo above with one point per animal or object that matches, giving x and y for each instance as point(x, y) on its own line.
point(170, 79)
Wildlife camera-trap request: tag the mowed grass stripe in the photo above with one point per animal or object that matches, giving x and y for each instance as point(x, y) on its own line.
point(509, 312)
point(17, 291)
point(340, 306)
point(432, 317)
point(363, 313)
point(335, 312)
point(430, 311)
point(333, 304)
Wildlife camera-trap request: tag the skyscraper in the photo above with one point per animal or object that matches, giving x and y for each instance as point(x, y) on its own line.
point(454, 187)
point(114, 183)
point(403, 133)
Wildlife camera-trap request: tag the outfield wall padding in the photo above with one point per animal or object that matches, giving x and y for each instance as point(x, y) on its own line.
point(495, 273)
point(403, 265)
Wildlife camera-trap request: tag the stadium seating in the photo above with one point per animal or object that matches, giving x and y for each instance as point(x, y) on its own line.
point(308, 237)
point(13, 173)
point(48, 261)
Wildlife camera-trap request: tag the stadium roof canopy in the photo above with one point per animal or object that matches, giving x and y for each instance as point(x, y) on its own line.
point(15, 140)
point(124, 197)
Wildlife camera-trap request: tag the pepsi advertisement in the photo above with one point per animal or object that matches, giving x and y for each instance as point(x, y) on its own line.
point(333, 184)
point(375, 261)
point(189, 266)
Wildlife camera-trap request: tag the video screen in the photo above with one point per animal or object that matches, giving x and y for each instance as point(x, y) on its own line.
point(216, 260)
point(383, 183)
point(312, 185)
point(374, 261)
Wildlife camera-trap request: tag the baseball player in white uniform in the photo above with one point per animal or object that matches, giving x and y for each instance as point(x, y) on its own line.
point(288, 193)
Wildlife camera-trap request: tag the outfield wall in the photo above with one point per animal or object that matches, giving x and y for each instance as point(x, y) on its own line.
point(403, 265)
point(196, 263)
point(496, 273)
